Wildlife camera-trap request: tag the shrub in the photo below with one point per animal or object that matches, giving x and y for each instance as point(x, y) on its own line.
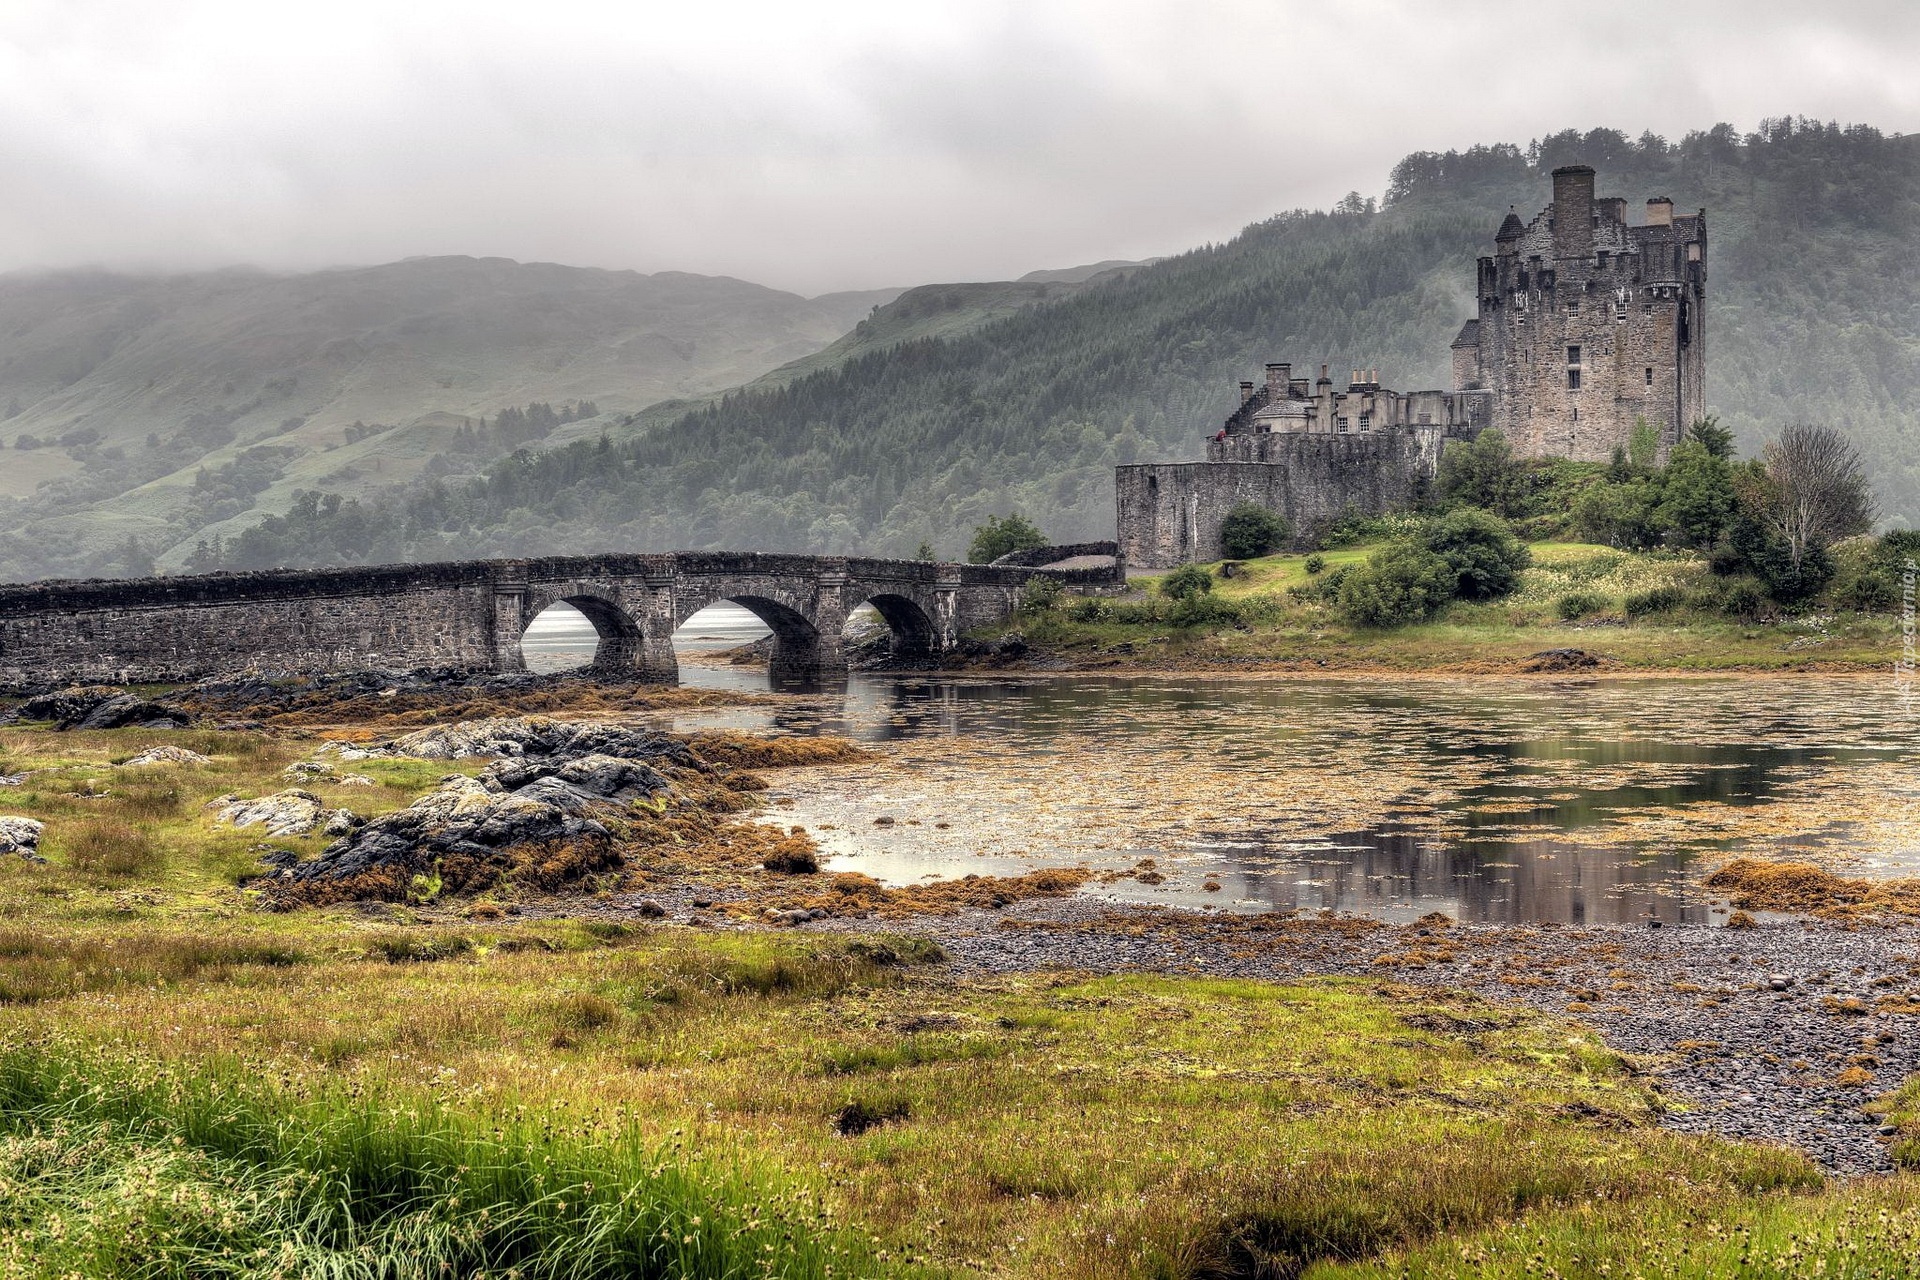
point(1402, 583)
point(1251, 531)
point(1578, 604)
point(1040, 594)
point(1088, 609)
point(1482, 472)
point(1315, 564)
point(1742, 597)
point(1186, 581)
point(1480, 549)
point(1644, 604)
point(1203, 609)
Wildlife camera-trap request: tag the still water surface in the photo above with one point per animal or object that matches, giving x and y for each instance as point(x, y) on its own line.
point(1579, 801)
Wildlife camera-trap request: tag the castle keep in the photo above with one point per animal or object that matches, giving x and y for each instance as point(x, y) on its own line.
point(1586, 326)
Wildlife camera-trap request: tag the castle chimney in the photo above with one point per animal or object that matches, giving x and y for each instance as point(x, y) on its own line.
point(1276, 380)
point(1660, 212)
point(1573, 211)
point(1246, 392)
point(1325, 381)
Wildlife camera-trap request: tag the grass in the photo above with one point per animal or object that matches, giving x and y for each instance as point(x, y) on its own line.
point(1278, 631)
point(190, 1086)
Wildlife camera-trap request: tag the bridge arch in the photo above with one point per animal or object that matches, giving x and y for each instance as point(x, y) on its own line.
point(912, 629)
point(622, 641)
point(797, 639)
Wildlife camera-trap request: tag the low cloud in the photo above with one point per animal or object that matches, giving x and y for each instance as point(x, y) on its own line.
point(827, 147)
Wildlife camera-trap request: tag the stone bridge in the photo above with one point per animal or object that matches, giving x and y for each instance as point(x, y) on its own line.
point(473, 613)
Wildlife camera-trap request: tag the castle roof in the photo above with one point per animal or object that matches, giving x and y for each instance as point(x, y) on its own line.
point(1469, 335)
point(1512, 228)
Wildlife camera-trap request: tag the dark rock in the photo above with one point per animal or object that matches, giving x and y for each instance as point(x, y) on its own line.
point(650, 908)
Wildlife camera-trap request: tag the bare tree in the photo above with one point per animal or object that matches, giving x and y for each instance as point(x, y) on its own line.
point(1818, 490)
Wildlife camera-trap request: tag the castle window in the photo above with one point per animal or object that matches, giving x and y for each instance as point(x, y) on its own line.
point(1603, 259)
point(1573, 379)
point(1573, 355)
point(1649, 375)
point(1573, 307)
point(1343, 425)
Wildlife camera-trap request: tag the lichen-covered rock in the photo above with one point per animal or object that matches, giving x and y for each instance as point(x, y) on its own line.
point(547, 812)
point(286, 813)
point(166, 753)
point(21, 836)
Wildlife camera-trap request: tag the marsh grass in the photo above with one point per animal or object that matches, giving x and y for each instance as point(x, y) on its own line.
point(117, 1167)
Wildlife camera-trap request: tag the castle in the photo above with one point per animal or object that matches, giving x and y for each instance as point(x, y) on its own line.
point(1586, 327)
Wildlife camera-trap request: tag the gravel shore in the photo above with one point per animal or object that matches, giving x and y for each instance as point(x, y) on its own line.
point(1747, 1033)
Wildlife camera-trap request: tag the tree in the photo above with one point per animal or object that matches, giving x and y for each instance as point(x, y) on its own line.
point(135, 560)
point(1696, 500)
point(1251, 531)
point(925, 552)
point(1708, 433)
point(1478, 548)
point(999, 537)
point(1816, 492)
point(1643, 445)
point(1619, 514)
point(1482, 472)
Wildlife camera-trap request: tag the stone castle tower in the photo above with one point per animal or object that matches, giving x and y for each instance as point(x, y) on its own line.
point(1587, 324)
point(1586, 327)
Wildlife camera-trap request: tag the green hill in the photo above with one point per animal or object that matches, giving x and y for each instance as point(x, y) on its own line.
point(1814, 296)
point(127, 388)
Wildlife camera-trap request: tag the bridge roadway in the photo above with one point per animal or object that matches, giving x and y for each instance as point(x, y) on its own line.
point(473, 613)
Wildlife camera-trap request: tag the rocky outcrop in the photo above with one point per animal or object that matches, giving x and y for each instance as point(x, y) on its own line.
point(165, 753)
point(549, 811)
point(286, 813)
point(97, 707)
point(21, 836)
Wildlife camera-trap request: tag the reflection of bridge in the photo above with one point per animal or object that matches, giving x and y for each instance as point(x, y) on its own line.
point(473, 613)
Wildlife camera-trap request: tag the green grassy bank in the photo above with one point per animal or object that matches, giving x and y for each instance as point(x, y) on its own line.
point(1634, 611)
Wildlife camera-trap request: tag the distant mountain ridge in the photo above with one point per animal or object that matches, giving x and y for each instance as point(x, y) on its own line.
point(149, 380)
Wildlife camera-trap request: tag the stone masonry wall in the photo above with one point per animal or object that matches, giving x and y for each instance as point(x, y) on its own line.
point(1170, 513)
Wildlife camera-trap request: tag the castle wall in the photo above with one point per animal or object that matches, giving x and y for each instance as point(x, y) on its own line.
point(1170, 513)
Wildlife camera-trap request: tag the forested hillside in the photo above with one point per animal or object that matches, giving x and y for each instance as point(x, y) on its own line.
point(1814, 313)
point(151, 406)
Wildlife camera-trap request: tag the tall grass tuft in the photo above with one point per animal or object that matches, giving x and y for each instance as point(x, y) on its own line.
point(116, 1167)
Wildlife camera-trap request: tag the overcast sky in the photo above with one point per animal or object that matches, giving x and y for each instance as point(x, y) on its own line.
point(833, 144)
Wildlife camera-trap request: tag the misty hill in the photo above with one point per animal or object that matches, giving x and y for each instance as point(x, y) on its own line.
point(1814, 312)
point(347, 380)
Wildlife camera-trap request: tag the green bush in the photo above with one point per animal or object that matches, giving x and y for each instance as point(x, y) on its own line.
point(1480, 549)
point(1251, 531)
point(1040, 594)
point(1401, 584)
point(1644, 604)
point(1203, 609)
point(1578, 604)
point(1186, 581)
point(1088, 609)
point(1315, 563)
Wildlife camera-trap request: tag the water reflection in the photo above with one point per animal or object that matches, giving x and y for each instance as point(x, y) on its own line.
point(1575, 801)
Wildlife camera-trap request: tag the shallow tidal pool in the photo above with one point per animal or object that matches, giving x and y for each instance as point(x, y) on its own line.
point(1578, 801)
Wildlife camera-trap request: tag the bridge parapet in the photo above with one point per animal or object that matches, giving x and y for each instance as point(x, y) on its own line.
point(473, 613)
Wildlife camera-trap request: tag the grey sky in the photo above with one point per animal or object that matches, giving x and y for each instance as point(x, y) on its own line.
point(832, 145)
